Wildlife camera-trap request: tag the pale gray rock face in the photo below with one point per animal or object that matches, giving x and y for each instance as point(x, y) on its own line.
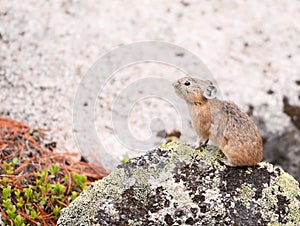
point(177, 185)
point(284, 150)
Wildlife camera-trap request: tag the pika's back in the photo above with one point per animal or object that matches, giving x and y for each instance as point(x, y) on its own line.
point(239, 126)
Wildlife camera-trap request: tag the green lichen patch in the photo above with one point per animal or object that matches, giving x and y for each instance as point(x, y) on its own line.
point(177, 185)
point(247, 194)
point(236, 177)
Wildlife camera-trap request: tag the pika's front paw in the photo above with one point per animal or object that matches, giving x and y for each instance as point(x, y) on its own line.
point(200, 144)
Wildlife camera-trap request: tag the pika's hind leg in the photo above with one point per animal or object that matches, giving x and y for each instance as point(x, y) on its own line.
point(233, 157)
point(228, 162)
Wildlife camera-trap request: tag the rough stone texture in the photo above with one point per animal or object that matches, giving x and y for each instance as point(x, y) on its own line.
point(177, 185)
point(251, 47)
point(281, 148)
point(284, 149)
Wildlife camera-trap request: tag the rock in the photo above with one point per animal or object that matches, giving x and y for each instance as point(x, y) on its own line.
point(293, 111)
point(177, 185)
point(284, 149)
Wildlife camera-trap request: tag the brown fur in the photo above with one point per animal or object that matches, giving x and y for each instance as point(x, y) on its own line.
point(232, 130)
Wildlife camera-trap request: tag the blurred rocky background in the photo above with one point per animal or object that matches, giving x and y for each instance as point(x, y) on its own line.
point(252, 49)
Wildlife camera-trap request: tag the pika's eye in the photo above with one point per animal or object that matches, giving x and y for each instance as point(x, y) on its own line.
point(187, 83)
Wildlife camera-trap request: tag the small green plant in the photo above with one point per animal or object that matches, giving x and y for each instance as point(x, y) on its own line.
point(11, 211)
point(54, 169)
point(8, 168)
point(33, 214)
point(19, 221)
point(36, 182)
point(56, 210)
point(6, 192)
point(79, 180)
point(74, 195)
point(6, 203)
point(28, 194)
point(45, 193)
point(125, 159)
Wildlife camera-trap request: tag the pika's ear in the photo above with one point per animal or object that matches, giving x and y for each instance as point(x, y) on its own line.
point(210, 92)
point(209, 82)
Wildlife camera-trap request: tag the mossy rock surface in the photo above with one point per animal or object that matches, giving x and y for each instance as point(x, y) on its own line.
point(177, 185)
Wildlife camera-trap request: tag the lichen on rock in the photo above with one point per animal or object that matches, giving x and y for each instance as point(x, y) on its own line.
point(177, 185)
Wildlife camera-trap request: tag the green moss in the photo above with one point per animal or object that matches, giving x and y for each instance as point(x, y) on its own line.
point(125, 159)
point(290, 188)
point(273, 224)
point(113, 184)
point(288, 184)
point(247, 193)
point(179, 150)
point(294, 214)
point(268, 202)
point(210, 155)
point(169, 145)
point(214, 156)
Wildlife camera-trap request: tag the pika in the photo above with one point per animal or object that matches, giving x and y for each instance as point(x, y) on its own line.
point(221, 122)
